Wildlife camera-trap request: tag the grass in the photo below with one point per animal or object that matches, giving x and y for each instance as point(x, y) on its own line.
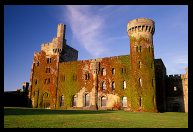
point(43, 118)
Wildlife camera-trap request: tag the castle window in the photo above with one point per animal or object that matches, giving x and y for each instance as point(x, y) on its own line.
point(113, 85)
point(140, 82)
point(175, 88)
point(146, 28)
point(62, 100)
point(38, 63)
point(48, 60)
point(123, 70)
point(139, 64)
point(124, 84)
point(103, 71)
point(103, 85)
point(87, 76)
point(113, 71)
point(47, 70)
point(140, 48)
point(136, 48)
point(124, 102)
point(87, 100)
point(47, 81)
point(36, 81)
point(103, 101)
point(74, 101)
point(140, 101)
point(149, 48)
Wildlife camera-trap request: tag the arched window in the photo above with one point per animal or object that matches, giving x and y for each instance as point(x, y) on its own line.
point(113, 71)
point(74, 101)
point(103, 85)
point(62, 100)
point(140, 82)
point(103, 101)
point(103, 71)
point(124, 101)
point(113, 85)
point(124, 84)
point(87, 100)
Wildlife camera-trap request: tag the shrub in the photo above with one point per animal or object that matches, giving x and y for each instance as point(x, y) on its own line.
point(116, 106)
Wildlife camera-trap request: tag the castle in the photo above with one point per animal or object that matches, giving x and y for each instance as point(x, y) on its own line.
point(135, 82)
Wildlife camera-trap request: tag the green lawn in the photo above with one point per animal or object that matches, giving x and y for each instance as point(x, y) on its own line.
point(43, 118)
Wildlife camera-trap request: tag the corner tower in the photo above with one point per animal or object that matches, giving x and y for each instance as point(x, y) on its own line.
point(140, 32)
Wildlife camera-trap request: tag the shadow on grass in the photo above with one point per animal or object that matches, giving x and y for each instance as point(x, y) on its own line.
point(33, 111)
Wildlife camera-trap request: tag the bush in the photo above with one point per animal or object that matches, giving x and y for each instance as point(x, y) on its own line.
point(116, 106)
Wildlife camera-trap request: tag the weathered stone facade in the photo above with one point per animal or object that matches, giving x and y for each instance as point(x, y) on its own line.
point(177, 92)
point(59, 81)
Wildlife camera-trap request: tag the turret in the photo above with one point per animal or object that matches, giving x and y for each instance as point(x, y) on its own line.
point(140, 32)
point(61, 31)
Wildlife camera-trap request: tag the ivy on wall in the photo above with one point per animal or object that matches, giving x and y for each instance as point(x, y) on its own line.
point(68, 78)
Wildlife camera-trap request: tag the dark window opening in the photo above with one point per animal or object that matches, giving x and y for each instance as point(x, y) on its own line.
point(48, 60)
point(113, 71)
point(74, 101)
point(62, 100)
point(140, 48)
point(36, 81)
point(38, 63)
point(47, 70)
point(113, 85)
point(140, 101)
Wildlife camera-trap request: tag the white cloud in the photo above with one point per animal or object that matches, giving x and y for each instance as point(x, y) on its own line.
point(181, 59)
point(177, 64)
point(87, 28)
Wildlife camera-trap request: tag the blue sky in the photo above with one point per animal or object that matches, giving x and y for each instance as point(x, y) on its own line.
point(94, 30)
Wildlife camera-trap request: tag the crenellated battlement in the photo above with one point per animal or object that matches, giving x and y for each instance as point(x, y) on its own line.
point(175, 76)
point(141, 25)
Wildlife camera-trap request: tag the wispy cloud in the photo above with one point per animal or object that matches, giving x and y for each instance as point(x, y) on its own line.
point(176, 64)
point(181, 59)
point(107, 7)
point(87, 28)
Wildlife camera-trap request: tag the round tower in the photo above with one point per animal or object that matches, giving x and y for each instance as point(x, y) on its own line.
point(140, 32)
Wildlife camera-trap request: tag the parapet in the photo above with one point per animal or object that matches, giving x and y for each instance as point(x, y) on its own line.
point(175, 76)
point(141, 25)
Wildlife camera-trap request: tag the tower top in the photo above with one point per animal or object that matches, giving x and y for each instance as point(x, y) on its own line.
point(61, 30)
point(141, 25)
